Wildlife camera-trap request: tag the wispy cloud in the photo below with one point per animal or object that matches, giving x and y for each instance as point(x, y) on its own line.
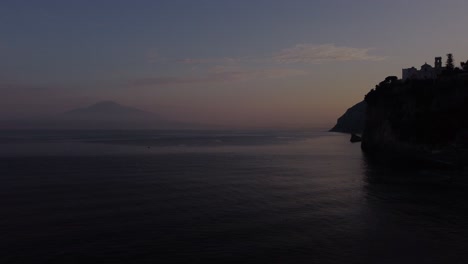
point(277, 73)
point(218, 76)
point(224, 60)
point(300, 53)
point(311, 53)
point(235, 69)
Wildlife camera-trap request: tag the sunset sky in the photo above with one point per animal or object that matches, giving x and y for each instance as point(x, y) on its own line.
point(244, 64)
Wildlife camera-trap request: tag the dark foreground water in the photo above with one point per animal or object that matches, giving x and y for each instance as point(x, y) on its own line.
point(263, 197)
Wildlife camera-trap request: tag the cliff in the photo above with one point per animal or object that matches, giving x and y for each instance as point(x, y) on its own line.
point(426, 119)
point(353, 120)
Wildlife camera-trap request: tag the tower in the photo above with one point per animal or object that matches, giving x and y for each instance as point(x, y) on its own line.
point(438, 62)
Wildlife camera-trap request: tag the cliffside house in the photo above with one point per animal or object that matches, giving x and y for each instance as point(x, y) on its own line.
point(426, 72)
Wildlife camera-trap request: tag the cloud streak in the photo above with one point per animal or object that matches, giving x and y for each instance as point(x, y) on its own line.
point(310, 53)
point(233, 69)
point(218, 77)
point(300, 53)
point(225, 60)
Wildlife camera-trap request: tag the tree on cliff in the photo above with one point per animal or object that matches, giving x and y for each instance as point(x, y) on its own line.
point(449, 64)
point(464, 65)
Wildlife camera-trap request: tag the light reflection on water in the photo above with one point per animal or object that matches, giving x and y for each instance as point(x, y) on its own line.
point(299, 198)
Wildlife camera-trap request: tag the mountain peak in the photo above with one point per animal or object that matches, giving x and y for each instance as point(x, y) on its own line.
point(101, 115)
point(106, 103)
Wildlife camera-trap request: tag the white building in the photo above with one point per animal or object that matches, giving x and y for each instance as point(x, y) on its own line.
point(426, 72)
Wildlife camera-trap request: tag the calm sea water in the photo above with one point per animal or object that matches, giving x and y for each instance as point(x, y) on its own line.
point(196, 197)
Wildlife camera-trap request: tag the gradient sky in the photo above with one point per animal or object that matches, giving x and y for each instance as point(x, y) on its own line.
point(238, 63)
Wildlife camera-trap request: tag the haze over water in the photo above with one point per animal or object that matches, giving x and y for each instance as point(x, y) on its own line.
point(280, 197)
point(249, 181)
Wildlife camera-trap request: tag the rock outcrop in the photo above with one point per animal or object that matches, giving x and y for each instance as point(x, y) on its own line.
point(355, 138)
point(353, 120)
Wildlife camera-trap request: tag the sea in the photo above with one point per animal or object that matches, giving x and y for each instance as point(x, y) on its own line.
point(220, 197)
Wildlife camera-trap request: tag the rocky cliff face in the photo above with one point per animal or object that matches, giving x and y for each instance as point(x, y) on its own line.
point(353, 120)
point(417, 117)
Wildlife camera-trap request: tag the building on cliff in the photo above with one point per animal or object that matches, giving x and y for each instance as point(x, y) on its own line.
point(426, 72)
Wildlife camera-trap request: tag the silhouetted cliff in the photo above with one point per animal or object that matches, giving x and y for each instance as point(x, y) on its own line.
point(353, 120)
point(418, 118)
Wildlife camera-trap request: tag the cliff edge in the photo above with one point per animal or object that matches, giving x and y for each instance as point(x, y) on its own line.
point(353, 120)
point(425, 119)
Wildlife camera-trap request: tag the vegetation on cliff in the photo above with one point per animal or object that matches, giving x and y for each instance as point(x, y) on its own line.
point(418, 116)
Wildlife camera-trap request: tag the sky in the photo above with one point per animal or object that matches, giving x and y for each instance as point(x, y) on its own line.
point(242, 64)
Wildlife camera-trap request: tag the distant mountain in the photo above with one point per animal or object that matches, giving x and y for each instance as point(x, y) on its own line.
point(109, 110)
point(353, 120)
point(101, 115)
point(106, 107)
